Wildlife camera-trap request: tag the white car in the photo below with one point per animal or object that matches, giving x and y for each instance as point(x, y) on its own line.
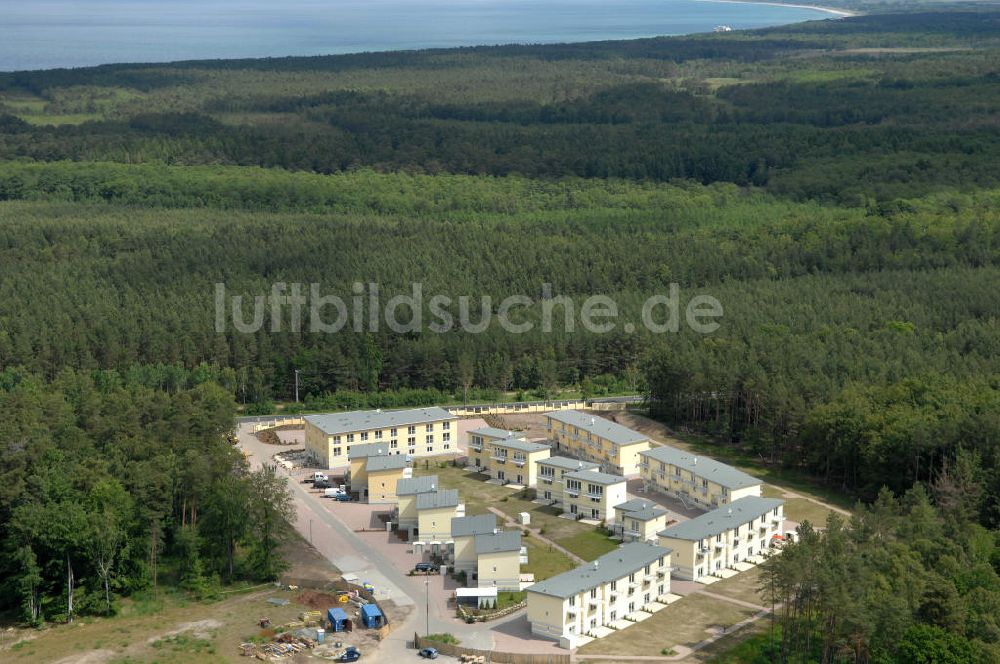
point(333, 492)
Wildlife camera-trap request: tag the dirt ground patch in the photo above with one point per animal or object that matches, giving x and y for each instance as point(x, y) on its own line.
point(316, 600)
point(272, 437)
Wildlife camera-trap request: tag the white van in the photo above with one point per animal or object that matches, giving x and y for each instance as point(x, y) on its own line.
point(333, 492)
point(320, 477)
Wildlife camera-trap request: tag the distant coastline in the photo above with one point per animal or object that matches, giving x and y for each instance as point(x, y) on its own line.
point(819, 8)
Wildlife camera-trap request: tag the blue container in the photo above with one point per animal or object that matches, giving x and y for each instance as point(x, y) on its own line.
point(371, 616)
point(337, 619)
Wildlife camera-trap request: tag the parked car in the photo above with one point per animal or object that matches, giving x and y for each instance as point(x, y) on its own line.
point(322, 484)
point(318, 476)
point(428, 653)
point(426, 568)
point(352, 654)
point(343, 497)
point(333, 492)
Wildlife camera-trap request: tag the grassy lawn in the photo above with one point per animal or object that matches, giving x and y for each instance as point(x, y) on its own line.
point(545, 561)
point(478, 496)
point(682, 623)
point(142, 630)
point(589, 544)
point(743, 586)
point(799, 509)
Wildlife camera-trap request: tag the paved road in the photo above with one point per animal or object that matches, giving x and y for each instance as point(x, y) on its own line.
point(350, 552)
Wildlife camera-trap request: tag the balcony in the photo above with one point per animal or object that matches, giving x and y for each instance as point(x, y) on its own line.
point(595, 496)
point(519, 462)
point(572, 610)
point(476, 447)
point(662, 571)
point(703, 490)
point(720, 545)
point(572, 492)
point(546, 480)
point(499, 459)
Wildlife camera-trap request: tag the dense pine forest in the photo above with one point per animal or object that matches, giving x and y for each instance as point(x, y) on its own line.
point(833, 184)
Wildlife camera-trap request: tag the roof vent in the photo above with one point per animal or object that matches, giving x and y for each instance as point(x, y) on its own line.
point(596, 563)
point(496, 531)
point(695, 461)
point(593, 421)
point(432, 486)
point(378, 410)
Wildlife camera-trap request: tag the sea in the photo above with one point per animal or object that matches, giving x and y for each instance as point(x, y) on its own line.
point(45, 34)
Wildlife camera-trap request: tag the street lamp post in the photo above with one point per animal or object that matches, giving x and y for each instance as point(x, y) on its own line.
point(310, 532)
point(427, 606)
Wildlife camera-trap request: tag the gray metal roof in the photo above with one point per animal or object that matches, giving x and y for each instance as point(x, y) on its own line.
point(722, 519)
point(611, 566)
point(566, 463)
point(440, 498)
point(363, 420)
point(480, 524)
point(368, 450)
point(594, 477)
point(702, 466)
point(412, 486)
point(641, 510)
point(599, 426)
point(507, 540)
point(494, 432)
point(392, 462)
point(520, 445)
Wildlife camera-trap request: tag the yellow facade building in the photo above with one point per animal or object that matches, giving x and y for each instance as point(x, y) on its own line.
point(434, 514)
point(407, 490)
point(551, 470)
point(590, 494)
point(498, 560)
point(701, 481)
point(374, 472)
point(717, 540)
point(599, 594)
point(464, 530)
point(505, 455)
point(591, 438)
point(414, 432)
point(639, 519)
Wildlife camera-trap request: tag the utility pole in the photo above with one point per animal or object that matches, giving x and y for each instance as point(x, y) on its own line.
point(310, 532)
point(296, 386)
point(427, 606)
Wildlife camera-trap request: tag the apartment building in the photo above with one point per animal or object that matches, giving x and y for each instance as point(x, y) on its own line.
point(407, 490)
point(498, 560)
point(701, 481)
point(599, 594)
point(591, 438)
point(464, 530)
point(591, 494)
point(639, 519)
point(723, 537)
point(416, 432)
point(505, 455)
point(550, 471)
point(434, 514)
point(374, 472)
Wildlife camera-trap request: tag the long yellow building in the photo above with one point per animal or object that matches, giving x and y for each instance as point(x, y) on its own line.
point(701, 481)
point(592, 438)
point(414, 432)
point(505, 455)
point(726, 536)
point(600, 593)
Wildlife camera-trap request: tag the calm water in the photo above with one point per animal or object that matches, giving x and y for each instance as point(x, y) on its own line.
point(37, 34)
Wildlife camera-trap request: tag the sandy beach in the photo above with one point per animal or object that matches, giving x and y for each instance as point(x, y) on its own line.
point(829, 10)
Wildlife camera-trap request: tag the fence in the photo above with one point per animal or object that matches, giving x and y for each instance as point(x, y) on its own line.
point(490, 655)
point(278, 422)
point(609, 403)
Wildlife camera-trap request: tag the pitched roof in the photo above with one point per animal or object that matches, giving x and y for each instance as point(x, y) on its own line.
point(704, 467)
point(507, 540)
point(641, 510)
point(439, 498)
point(467, 526)
point(566, 463)
point(411, 486)
point(594, 477)
point(599, 426)
point(520, 445)
point(722, 519)
point(361, 420)
point(368, 450)
point(611, 566)
point(392, 462)
point(494, 432)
